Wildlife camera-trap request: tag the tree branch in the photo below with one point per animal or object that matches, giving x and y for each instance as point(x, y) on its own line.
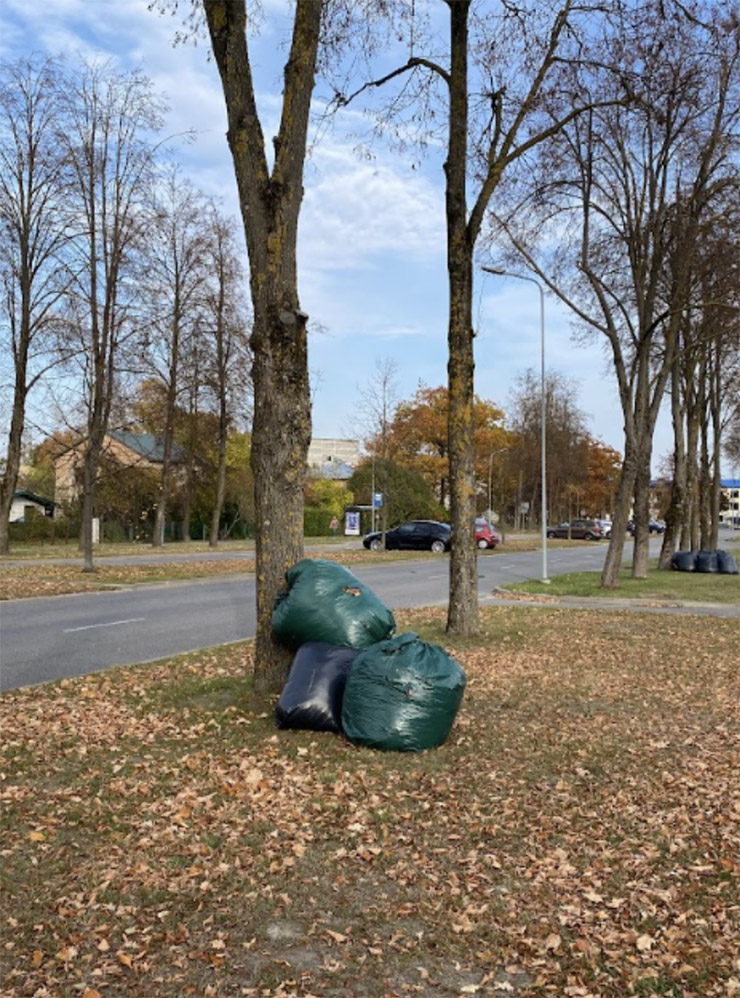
point(342, 100)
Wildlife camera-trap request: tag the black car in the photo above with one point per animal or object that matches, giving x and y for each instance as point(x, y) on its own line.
point(416, 535)
point(579, 530)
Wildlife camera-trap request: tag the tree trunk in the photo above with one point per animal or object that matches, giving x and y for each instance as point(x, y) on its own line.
point(187, 505)
point(641, 551)
point(716, 416)
point(220, 482)
point(676, 512)
point(90, 466)
point(463, 606)
point(13, 459)
point(705, 493)
point(625, 490)
point(462, 614)
point(169, 429)
point(280, 438)
point(270, 204)
point(690, 531)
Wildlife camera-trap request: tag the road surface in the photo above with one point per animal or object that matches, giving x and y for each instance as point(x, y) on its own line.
point(56, 637)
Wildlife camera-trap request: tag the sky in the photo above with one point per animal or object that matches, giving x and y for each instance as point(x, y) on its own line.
point(371, 256)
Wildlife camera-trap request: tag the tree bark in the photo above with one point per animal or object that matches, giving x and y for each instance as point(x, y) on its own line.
point(270, 203)
point(615, 551)
point(13, 455)
point(220, 479)
point(641, 551)
point(462, 616)
point(676, 512)
point(169, 429)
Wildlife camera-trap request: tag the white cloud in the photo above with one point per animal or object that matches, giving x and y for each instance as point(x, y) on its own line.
point(355, 212)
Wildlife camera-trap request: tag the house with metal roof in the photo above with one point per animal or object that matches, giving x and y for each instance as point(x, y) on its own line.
point(27, 503)
point(131, 450)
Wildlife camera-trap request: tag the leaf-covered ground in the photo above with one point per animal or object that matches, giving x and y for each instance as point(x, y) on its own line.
point(578, 834)
point(24, 580)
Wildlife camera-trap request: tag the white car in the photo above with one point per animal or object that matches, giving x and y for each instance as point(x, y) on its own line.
point(606, 527)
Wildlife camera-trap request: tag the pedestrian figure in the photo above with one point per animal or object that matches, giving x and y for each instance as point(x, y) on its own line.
point(334, 526)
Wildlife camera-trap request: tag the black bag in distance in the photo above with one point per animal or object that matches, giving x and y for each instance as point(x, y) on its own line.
point(706, 561)
point(726, 564)
point(684, 561)
point(314, 691)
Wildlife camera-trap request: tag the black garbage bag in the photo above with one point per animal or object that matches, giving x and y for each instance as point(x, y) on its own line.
point(726, 564)
point(684, 561)
point(325, 602)
point(706, 561)
point(402, 694)
point(313, 693)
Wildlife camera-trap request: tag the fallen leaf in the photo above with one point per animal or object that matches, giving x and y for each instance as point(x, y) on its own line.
point(553, 942)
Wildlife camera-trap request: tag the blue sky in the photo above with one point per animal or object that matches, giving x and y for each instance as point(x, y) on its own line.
point(372, 272)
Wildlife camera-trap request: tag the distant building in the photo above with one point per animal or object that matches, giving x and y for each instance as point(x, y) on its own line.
point(25, 502)
point(331, 457)
point(131, 450)
point(730, 487)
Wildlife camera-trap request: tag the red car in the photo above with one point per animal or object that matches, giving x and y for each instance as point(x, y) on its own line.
point(486, 535)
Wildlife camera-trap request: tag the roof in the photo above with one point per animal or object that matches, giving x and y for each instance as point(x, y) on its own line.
point(33, 497)
point(148, 446)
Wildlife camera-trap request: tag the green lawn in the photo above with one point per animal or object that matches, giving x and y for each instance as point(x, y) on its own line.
point(664, 586)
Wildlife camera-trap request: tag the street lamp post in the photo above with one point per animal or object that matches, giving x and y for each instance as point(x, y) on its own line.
point(543, 407)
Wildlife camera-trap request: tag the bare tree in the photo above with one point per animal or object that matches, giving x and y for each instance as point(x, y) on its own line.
point(377, 405)
point(610, 197)
point(225, 333)
point(567, 441)
point(493, 122)
point(32, 236)
point(106, 142)
point(174, 287)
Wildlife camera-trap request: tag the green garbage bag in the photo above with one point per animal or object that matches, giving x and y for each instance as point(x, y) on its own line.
point(402, 694)
point(325, 602)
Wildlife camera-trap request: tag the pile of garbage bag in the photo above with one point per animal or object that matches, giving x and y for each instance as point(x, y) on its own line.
point(350, 674)
point(721, 562)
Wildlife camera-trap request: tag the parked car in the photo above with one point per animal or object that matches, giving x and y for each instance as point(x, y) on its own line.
point(416, 535)
point(579, 530)
point(486, 535)
point(606, 527)
point(654, 526)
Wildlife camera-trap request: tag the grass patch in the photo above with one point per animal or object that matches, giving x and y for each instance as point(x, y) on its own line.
point(578, 834)
point(663, 586)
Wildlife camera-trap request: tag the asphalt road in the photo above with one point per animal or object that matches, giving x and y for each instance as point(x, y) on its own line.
point(57, 637)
